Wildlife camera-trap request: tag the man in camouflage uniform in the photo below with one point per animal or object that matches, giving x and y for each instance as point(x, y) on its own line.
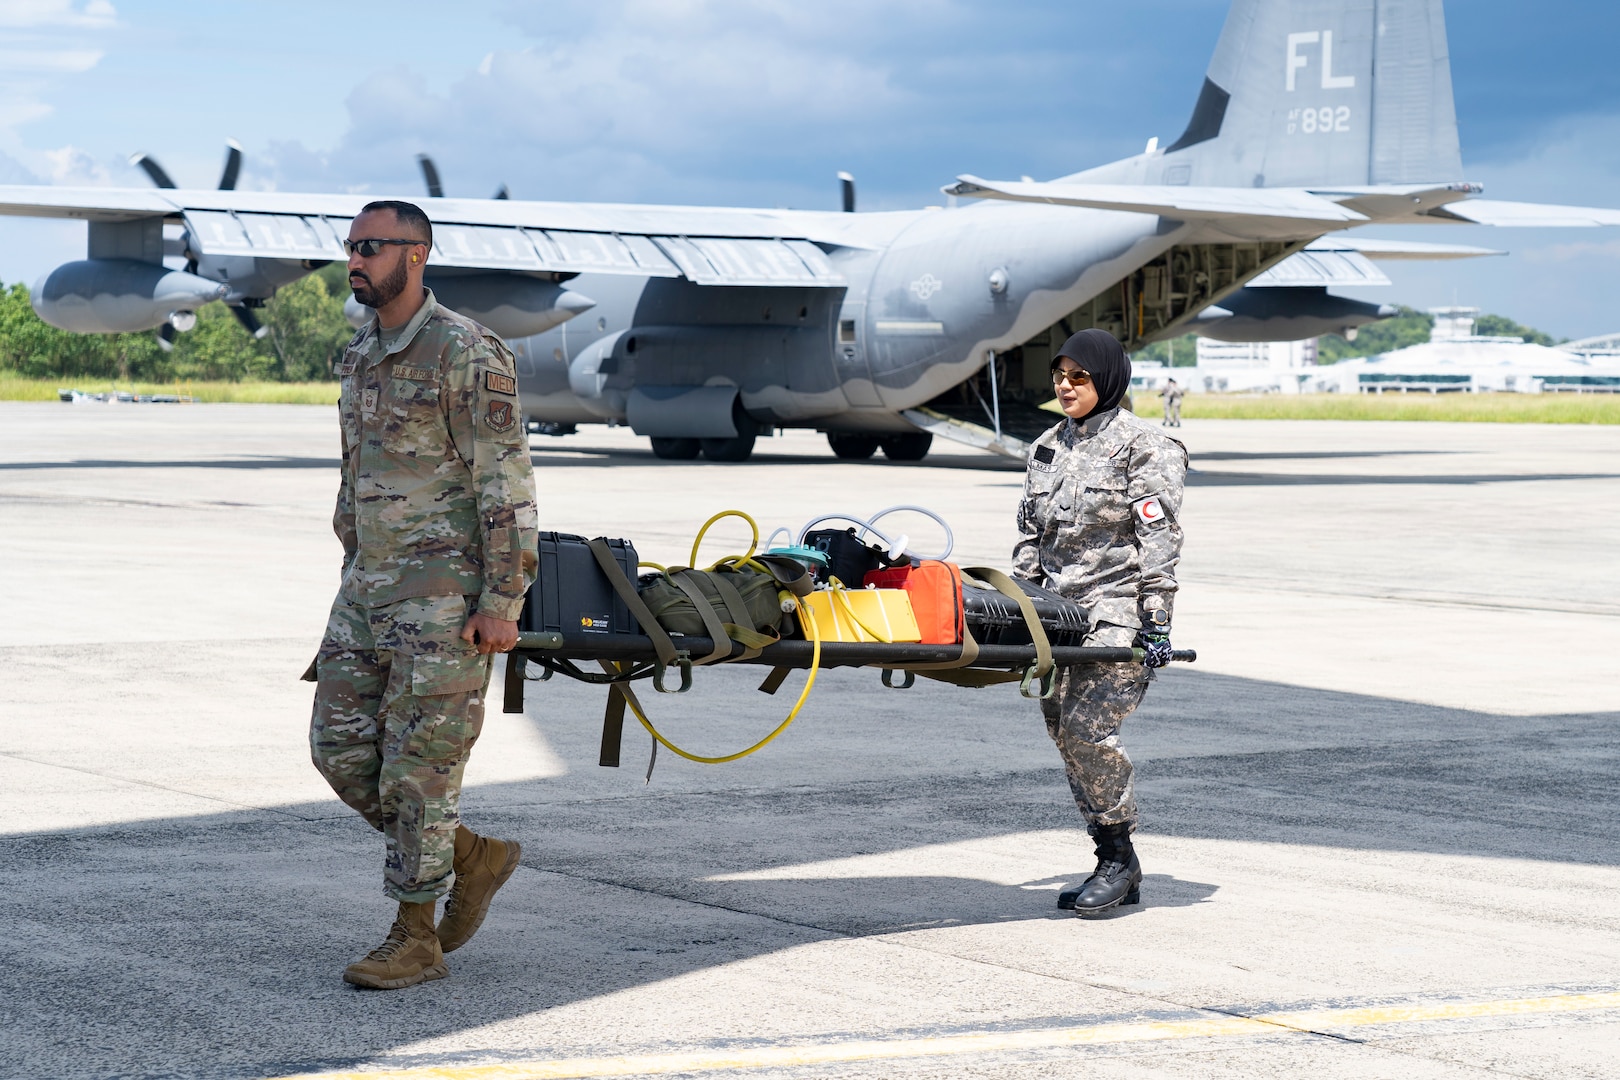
point(1173, 394)
point(1099, 524)
point(436, 512)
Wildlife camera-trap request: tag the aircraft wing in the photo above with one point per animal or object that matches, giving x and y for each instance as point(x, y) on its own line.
point(708, 245)
point(1184, 203)
point(1529, 215)
point(1398, 249)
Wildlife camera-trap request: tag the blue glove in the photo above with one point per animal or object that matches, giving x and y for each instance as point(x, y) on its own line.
point(1156, 646)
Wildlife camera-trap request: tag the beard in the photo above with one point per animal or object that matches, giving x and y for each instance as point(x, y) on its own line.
point(379, 294)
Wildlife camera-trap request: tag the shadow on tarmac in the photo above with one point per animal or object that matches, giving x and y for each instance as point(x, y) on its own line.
point(211, 946)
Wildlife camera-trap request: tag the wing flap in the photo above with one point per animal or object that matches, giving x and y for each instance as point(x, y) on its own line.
point(1315, 267)
point(1398, 249)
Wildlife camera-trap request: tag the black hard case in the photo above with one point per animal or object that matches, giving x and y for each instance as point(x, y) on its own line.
point(570, 592)
point(995, 619)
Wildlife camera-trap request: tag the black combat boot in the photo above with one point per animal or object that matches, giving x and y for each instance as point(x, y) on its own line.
point(1117, 879)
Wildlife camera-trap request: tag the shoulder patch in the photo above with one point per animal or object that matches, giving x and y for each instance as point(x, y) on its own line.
point(499, 416)
point(496, 383)
point(1045, 454)
point(1149, 511)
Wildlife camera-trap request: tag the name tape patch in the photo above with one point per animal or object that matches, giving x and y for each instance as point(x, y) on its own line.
point(344, 369)
point(496, 383)
point(419, 374)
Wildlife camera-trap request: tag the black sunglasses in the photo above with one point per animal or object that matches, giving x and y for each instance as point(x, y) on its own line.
point(368, 248)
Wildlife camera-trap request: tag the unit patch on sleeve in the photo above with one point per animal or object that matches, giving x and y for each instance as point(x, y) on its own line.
point(499, 416)
point(496, 383)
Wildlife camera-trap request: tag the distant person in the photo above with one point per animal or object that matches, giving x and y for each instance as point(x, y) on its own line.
point(436, 511)
point(1172, 404)
point(1099, 523)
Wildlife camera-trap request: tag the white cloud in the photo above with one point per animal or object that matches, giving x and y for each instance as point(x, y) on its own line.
point(38, 14)
point(49, 61)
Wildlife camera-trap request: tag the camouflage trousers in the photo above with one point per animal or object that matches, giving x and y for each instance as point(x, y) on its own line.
point(399, 702)
point(1084, 716)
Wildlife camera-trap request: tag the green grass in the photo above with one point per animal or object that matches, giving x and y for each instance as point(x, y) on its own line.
point(1456, 408)
point(18, 388)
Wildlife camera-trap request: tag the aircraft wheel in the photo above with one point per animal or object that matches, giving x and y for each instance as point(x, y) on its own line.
point(675, 449)
point(735, 449)
point(852, 447)
point(910, 447)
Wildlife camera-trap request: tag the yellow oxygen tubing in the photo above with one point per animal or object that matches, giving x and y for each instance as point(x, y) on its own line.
point(809, 619)
point(805, 614)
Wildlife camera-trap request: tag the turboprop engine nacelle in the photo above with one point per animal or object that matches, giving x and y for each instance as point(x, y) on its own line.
point(115, 296)
point(512, 306)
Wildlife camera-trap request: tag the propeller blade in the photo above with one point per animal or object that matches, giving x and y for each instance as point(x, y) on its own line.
point(152, 169)
point(847, 183)
point(502, 193)
point(430, 173)
point(233, 165)
point(249, 321)
point(165, 336)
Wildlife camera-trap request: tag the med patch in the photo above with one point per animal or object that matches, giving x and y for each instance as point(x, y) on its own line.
point(500, 416)
point(496, 383)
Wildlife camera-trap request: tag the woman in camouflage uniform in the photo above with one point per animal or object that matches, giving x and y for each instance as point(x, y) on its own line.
point(1099, 524)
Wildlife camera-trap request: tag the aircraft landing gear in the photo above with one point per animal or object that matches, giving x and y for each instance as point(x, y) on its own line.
point(738, 448)
point(909, 447)
point(852, 447)
point(675, 449)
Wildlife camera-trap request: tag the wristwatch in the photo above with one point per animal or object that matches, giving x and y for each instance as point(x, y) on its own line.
point(1158, 621)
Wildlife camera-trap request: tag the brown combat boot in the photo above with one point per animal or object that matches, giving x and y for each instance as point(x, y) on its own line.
point(482, 865)
point(409, 956)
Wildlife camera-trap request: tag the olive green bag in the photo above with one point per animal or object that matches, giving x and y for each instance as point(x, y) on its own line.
point(727, 604)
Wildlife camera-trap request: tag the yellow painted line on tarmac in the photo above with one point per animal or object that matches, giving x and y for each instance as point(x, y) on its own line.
point(1302, 1022)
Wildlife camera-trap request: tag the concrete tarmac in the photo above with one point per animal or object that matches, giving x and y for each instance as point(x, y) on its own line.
point(1380, 831)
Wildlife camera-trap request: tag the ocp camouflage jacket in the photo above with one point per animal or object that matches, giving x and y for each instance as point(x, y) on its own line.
point(437, 497)
point(1099, 518)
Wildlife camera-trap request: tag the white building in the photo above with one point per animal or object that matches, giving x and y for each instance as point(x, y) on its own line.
point(1454, 359)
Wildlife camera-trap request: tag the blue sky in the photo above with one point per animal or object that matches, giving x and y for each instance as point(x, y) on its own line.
point(759, 103)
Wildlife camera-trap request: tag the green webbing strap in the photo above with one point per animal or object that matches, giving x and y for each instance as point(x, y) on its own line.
point(741, 627)
point(612, 719)
point(662, 645)
point(1037, 633)
point(711, 618)
point(773, 682)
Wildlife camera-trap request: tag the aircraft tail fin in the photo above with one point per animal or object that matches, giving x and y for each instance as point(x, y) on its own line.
point(1304, 93)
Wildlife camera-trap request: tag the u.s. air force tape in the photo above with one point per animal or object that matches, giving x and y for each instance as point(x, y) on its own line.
point(496, 383)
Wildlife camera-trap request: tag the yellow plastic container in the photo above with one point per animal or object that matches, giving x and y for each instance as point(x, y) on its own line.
point(882, 615)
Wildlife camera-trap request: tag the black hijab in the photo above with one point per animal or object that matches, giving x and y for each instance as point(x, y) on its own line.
point(1101, 355)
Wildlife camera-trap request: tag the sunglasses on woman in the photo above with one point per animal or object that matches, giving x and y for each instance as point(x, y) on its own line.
point(1076, 377)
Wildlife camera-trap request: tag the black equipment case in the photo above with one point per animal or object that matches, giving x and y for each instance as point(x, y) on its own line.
point(849, 558)
point(570, 592)
point(994, 619)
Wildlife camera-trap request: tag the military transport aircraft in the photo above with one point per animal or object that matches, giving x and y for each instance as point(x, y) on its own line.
point(702, 328)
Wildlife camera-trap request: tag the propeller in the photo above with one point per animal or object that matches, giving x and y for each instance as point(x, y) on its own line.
point(430, 175)
point(250, 322)
point(847, 183)
point(160, 177)
point(152, 169)
point(233, 165)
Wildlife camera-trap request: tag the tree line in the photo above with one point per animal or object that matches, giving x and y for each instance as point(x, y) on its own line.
point(306, 332)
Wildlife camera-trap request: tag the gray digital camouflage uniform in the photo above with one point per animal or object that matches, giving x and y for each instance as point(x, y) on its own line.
point(1099, 524)
point(436, 512)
